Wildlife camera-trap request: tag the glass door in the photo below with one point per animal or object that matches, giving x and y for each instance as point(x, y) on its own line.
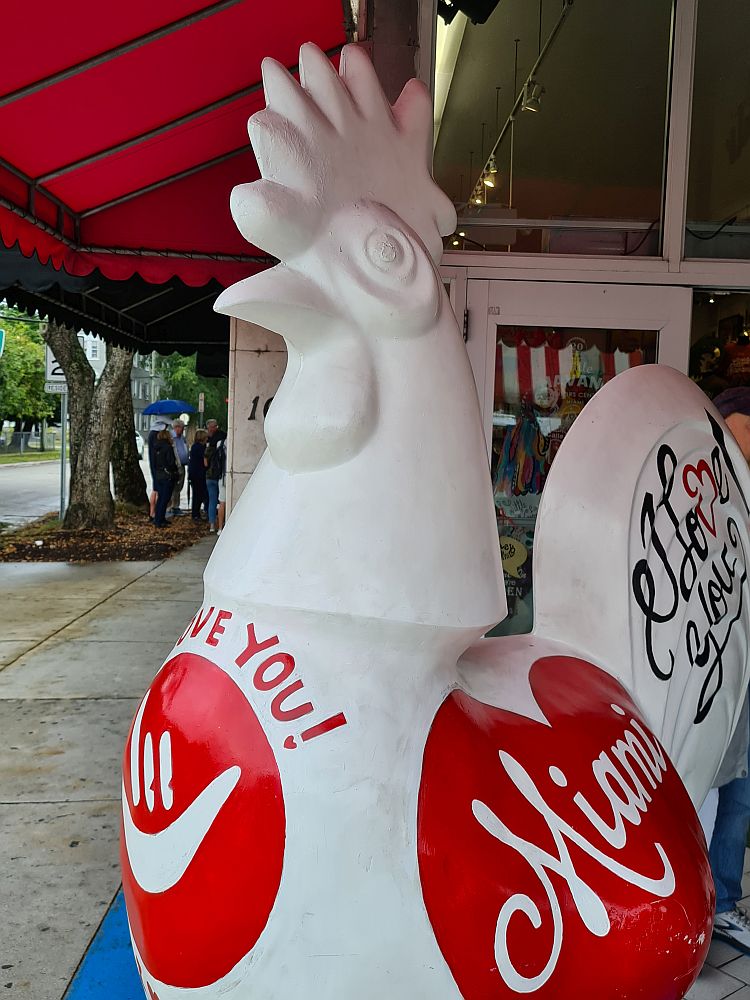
point(540, 351)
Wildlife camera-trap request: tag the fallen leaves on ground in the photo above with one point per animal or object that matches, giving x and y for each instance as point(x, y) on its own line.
point(131, 538)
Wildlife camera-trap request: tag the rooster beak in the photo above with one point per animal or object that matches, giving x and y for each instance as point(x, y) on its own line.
point(280, 299)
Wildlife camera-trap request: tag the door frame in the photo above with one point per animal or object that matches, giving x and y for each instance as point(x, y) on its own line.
point(492, 301)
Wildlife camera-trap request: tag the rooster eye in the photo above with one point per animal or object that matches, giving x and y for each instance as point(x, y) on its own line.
point(387, 251)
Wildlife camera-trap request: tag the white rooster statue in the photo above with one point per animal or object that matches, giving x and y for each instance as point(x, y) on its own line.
point(335, 787)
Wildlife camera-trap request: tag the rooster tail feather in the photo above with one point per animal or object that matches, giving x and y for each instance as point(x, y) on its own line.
point(641, 556)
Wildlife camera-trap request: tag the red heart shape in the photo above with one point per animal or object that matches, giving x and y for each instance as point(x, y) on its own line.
point(290, 743)
point(216, 767)
point(700, 471)
point(500, 793)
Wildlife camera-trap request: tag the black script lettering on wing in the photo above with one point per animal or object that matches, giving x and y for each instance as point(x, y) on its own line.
point(690, 583)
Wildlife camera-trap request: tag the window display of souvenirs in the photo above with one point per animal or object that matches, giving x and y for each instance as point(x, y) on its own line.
point(543, 379)
point(721, 359)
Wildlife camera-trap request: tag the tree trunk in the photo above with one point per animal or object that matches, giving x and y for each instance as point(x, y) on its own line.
point(80, 378)
point(130, 485)
point(92, 413)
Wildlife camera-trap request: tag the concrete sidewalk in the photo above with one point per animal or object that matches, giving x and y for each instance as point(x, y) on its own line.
point(78, 647)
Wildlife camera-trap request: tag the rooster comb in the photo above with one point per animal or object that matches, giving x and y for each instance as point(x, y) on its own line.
point(333, 140)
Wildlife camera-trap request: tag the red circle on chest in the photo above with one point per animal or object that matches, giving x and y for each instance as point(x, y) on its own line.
point(561, 860)
point(203, 827)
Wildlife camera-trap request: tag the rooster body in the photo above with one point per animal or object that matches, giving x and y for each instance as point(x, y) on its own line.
point(335, 786)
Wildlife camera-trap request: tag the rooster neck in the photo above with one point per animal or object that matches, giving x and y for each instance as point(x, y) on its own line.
point(405, 529)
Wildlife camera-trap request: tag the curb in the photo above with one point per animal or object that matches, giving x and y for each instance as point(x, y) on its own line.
point(41, 461)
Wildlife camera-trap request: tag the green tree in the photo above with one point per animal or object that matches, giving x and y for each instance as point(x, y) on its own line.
point(22, 395)
point(182, 382)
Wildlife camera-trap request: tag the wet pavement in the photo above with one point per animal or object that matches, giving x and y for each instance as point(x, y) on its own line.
point(78, 647)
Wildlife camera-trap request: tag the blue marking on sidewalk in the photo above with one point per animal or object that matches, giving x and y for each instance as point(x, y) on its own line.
point(108, 967)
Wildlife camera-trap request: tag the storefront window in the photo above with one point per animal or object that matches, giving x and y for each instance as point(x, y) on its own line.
point(578, 167)
point(718, 209)
point(543, 379)
point(720, 340)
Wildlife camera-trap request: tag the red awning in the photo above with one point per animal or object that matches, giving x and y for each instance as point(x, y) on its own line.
point(123, 129)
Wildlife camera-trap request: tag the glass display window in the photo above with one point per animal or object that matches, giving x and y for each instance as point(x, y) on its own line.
point(550, 123)
point(543, 378)
point(718, 197)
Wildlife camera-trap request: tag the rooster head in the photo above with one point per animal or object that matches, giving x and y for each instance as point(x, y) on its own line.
point(346, 202)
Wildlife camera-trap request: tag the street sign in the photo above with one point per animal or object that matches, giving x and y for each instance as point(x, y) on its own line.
point(2, 342)
point(57, 387)
point(201, 402)
point(53, 371)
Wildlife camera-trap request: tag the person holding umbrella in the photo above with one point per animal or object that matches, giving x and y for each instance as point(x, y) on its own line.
point(162, 408)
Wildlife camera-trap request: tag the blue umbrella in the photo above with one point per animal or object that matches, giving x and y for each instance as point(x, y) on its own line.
point(169, 406)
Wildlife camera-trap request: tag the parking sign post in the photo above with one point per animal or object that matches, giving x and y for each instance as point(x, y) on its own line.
point(64, 422)
point(57, 383)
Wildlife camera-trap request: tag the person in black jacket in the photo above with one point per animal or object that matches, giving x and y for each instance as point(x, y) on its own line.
point(157, 425)
point(197, 474)
point(164, 466)
point(215, 462)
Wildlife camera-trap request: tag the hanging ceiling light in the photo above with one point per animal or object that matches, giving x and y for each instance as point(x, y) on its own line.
point(488, 180)
point(532, 96)
point(493, 165)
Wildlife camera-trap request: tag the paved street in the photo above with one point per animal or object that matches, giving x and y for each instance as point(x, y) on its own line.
point(30, 489)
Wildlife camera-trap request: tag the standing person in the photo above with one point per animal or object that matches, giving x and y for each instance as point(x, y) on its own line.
point(157, 425)
point(729, 838)
point(222, 506)
point(197, 474)
point(181, 454)
point(165, 474)
point(214, 462)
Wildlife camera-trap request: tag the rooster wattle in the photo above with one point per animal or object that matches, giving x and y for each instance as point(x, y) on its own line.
point(335, 787)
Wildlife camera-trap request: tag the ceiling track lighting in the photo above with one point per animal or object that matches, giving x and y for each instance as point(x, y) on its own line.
point(532, 96)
